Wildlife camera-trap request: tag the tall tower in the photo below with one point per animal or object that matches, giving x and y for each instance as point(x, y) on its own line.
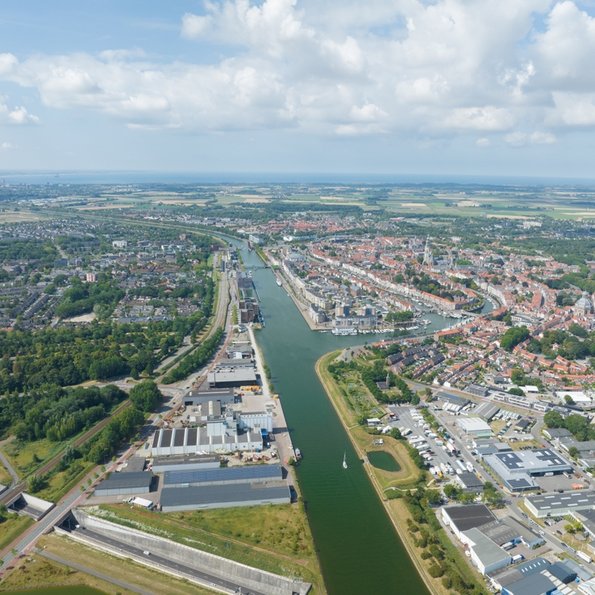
point(428, 258)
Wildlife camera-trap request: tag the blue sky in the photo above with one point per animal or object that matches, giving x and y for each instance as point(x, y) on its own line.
point(447, 87)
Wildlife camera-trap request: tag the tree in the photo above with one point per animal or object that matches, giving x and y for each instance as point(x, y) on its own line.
point(553, 419)
point(146, 396)
point(513, 336)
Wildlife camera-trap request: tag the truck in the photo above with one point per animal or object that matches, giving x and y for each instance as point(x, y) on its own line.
point(451, 448)
point(583, 556)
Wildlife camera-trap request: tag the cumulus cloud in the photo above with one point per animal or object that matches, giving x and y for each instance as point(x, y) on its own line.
point(16, 115)
point(516, 71)
point(521, 139)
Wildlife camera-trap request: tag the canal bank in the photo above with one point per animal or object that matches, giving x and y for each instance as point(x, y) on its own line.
point(358, 548)
point(400, 527)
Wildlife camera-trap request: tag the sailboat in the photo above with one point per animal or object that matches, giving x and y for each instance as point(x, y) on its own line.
point(344, 461)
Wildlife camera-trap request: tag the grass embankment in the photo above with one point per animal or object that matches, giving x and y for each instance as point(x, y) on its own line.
point(343, 398)
point(275, 538)
point(402, 480)
point(12, 527)
point(36, 571)
point(25, 457)
point(5, 477)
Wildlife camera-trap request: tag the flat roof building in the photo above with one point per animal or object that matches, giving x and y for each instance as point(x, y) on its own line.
point(560, 504)
point(466, 516)
point(516, 469)
point(223, 496)
point(232, 376)
point(184, 463)
point(469, 482)
point(124, 484)
point(474, 426)
point(485, 553)
point(533, 584)
point(223, 475)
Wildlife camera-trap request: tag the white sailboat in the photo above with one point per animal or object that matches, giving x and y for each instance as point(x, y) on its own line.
point(344, 460)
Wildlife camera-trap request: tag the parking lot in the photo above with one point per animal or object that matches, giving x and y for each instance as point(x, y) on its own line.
point(419, 435)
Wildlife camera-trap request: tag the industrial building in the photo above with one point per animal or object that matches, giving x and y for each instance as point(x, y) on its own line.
point(125, 484)
point(185, 463)
point(475, 427)
point(517, 469)
point(230, 376)
point(223, 476)
point(469, 482)
point(467, 516)
point(223, 496)
point(213, 438)
point(485, 553)
point(452, 402)
point(556, 505)
point(224, 397)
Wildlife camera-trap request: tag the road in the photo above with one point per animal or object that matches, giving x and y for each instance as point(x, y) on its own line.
point(49, 465)
point(87, 570)
point(208, 580)
point(7, 465)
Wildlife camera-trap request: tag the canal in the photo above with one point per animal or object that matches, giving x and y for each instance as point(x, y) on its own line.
point(358, 548)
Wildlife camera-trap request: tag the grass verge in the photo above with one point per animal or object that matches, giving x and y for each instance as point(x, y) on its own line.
point(46, 573)
point(275, 538)
point(12, 527)
point(381, 480)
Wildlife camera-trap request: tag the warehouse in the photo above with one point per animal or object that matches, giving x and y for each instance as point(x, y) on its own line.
point(556, 505)
point(517, 469)
point(452, 402)
point(185, 463)
point(223, 475)
point(465, 517)
point(232, 376)
point(217, 496)
point(225, 397)
point(485, 554)
point(474, 427)
point(213, 438)
point(125, 484)
point(534, 584)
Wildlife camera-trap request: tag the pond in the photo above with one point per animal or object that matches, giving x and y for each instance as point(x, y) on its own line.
point(383, 460)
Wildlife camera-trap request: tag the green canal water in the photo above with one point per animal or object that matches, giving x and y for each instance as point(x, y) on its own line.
point(359, 550)
point(383, 460)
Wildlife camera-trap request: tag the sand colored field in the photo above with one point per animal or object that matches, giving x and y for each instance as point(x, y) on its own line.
point(105, 207)
point(256, 200)
point(18, 217)
point(413, 205)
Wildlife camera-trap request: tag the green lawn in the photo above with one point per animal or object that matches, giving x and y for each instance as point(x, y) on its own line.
point(12, 527)
point(26, 457)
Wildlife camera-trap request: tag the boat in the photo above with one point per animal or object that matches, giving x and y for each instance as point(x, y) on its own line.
point(344, 331)
point(344, 460)
point(278, 282)
point(298, 454)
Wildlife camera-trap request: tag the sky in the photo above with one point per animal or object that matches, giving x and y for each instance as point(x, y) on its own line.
point(425, 87)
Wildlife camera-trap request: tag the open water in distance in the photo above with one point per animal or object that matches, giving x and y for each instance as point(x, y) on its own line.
point(358, 548)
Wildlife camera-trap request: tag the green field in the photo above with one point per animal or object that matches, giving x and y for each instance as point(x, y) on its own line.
point(12, 527)
point(275, 538)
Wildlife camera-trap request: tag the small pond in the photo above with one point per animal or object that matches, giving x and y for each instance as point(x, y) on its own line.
point(383, 460)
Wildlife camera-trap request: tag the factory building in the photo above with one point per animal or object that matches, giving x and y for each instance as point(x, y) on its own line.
point(223, 496)
point(474, 427)
point(125, 484)
point(556, 505)
point(232, 376)
point(517, 469)
point(215, 437)
point(185, 463)
point(485, 553)
point(223, 476)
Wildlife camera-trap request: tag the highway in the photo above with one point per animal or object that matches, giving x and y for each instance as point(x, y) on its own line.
point(176, 568)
